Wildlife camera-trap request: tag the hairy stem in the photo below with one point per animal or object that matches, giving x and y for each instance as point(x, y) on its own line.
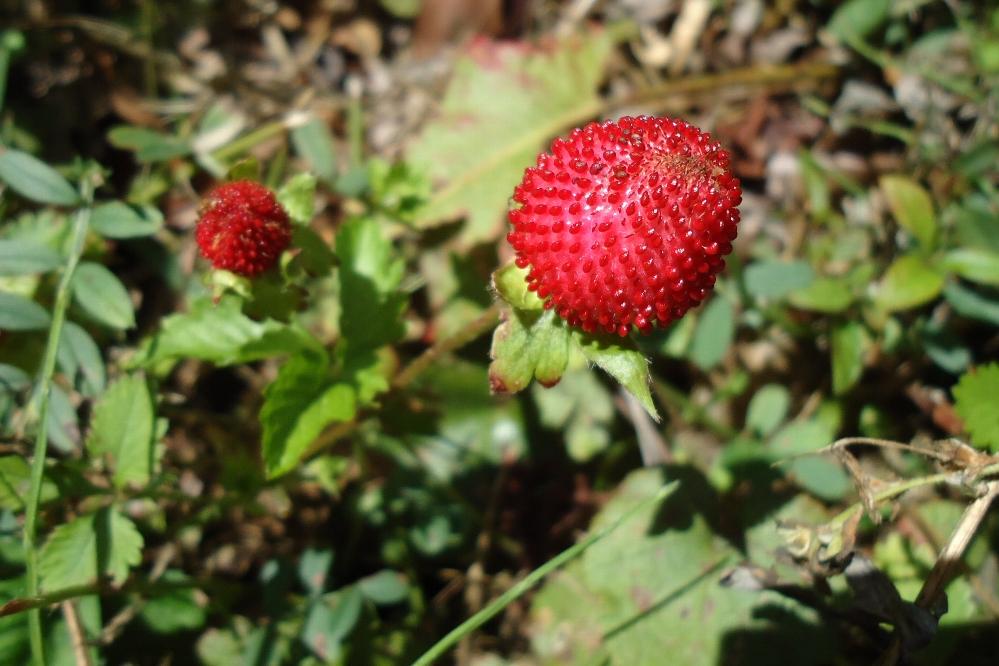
point(44, 390)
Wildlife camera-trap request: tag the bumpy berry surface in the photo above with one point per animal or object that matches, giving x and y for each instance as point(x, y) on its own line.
point(242, 228)
point(625, 224)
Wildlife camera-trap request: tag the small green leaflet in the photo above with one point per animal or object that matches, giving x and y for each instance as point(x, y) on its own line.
point(102, 296)
point(33, 179)
point(104, 543)
point(975, 402)
point(123, 428)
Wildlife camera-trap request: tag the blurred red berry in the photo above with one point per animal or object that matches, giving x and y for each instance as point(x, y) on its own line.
point(626, 223)
point(243, 229)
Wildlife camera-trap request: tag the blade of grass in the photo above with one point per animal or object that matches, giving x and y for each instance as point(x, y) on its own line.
point(471, 624)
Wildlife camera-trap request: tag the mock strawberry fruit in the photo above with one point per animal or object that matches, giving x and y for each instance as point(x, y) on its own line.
point(242, 229)
point(626, 223)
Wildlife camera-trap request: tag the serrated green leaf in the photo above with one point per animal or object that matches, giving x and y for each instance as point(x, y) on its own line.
point(912, 208)
point(314, 143)
point(24, 257)
point(714, 333)
point(116, 219)
point(525, 345)
point(298, 404)
point(33, 179)
point(848, 345)
point(18, 313)
point(122, 428)
point(370, 274)
point(976, 265)
point(620, 358)
point(909, 282)
point(503, 102)
point(298, 196)
point(104, 543)
point(827, 295)
point(102, 296)
point(767, 409)
point(649, 593)
point(148, 145)
point(975, 402)
point(510, 282)
point(222, 335)
point(775, 279)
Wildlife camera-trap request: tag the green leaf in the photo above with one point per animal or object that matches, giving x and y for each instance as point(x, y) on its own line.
point(24, 257)
point(64, 426)
point(102, 296)
point(148, 145)
point(714, 333)
point(298, 196)
point(648, 593)
point(384, 587)
point(123, 429)
point(314, 143)
point(247, 168)
point(826, 295)
point(370, 274)
point(13, 379)
point(908, 283)
point(330, 620)
point(222, 335)
point(775, 279)
point(104, 543)
point(18, 313)
point(298, 404)
point(913, 209)
point(858, 18)
point(15, 481)
point(620, 359)
point(78, 353)
point(504, 100)
point(970, 303)
point(580, 408)
point(768, 409)
point(976, 265)
point(975, 402)
point(527, 345)
point(313, 568)
point(34, 179)
point(120, 220)
point(175, 611)
point(510, 282)
point(819, 475)
point(848, 342)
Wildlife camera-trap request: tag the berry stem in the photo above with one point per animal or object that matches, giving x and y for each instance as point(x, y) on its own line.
point(81, 224)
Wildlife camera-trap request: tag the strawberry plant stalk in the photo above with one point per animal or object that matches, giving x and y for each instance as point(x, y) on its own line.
point(81, 223)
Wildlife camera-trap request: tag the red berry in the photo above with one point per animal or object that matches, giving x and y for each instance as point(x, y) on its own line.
point(626, 223)
point(243, 228)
